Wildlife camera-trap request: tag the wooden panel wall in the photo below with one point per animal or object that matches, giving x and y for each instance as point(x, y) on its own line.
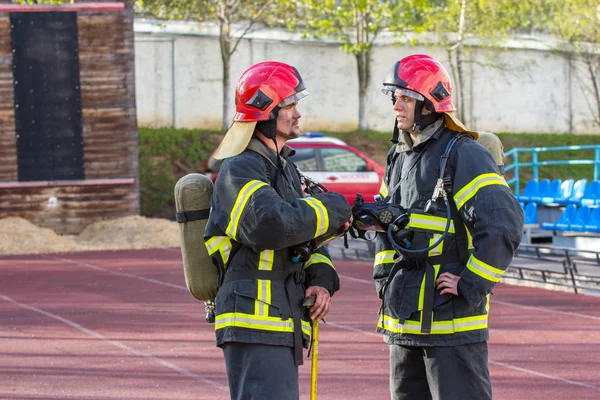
point(106, 61)
point(66, 209)
point(8, 141)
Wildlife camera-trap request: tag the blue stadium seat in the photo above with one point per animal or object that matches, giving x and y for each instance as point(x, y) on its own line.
point(562, 194)
point(565, 219)
point(531, 189)
point(591, 194)
point(530, 213)
point(578, 190)
point(593, 222)
point(549, 195)
point(580, 219)
point(543, 188)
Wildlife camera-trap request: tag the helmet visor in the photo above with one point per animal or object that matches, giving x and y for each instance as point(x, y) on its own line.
point(395, 92)
point(293, 99)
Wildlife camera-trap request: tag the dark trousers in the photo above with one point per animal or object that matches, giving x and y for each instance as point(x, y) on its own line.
point(261, 372)
point(440, 373)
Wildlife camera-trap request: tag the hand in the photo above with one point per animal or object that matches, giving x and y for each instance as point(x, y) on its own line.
point(447, 283)
point(348, 224)
point(322, 302)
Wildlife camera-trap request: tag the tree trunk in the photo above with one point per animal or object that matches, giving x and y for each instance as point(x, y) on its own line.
point(225, 45)
point(363, 65)
point(591, 62)
point(226, 93)
point(459, 85)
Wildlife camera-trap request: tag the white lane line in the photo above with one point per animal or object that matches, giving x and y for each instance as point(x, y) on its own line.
point(108, 271)
point(356, 330)
point(118, 344)
point(374, 333)
point(546, 310)
point(554, 378)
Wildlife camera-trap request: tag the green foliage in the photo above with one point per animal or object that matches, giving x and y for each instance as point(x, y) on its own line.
point(357, 23)
point(165, 155)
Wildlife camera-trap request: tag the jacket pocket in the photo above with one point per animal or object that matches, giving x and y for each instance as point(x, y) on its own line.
point(409, 303)
point(270, 302)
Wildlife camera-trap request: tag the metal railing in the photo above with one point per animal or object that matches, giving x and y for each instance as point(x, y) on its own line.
point(535, 163)
point(575, 269)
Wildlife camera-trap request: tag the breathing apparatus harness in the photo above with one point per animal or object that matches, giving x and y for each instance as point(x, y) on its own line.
point(383, 216)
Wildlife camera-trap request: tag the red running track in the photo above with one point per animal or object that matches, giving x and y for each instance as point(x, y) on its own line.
point(121, 325)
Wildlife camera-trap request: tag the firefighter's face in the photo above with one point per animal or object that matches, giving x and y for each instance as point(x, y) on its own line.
point(404, 107)
point(287, 122)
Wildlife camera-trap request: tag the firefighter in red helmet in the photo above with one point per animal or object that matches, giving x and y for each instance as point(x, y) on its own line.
point(259, 216)
point(465, 225)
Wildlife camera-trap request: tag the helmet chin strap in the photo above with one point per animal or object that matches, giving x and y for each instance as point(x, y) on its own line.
point(423, 121)
point(269, 129)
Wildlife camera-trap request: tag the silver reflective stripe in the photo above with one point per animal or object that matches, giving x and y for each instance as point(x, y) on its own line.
point(437, 327)
point(471, 188)
point(220, 243)
point(484, 270)
point(437, 250)
point(321, 214)
point(250, 321)
point(263, 294)
point(430, 222)
point(238, 208)
point(318, 258)
point(384, 257)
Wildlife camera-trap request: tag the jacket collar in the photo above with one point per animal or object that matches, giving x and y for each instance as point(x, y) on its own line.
point(257, 146)
point(432, 131)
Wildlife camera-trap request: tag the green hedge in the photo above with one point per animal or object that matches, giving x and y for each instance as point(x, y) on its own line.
point(167, 154)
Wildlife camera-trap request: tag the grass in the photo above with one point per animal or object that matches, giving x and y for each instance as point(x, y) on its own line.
point(167, 154)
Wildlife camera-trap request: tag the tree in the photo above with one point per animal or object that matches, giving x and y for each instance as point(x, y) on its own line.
point(455, 21)
point(577, 23)
point(236, 18)
point(357, 23)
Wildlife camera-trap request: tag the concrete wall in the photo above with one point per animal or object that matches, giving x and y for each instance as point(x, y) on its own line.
point(526, 88)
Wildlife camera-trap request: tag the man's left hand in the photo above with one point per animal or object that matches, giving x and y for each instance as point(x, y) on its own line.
point(447, 283)
point(322, 302)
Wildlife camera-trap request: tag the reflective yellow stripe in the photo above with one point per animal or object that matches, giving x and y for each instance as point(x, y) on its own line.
point(383, 190)
point(384, 257)
point(238, 208)
point(322, 215)
point(263, 293)
point(255, 322)
point(486, 271)
point(306, 327)
point(437, 327)
point(429, 222)
point(469, 239)
point(318, 258)
point(221, 244)
point(471, 189)
point(437, 250)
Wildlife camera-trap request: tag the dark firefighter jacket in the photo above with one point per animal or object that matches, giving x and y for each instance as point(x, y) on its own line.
point(486, 229)
point(251, 228)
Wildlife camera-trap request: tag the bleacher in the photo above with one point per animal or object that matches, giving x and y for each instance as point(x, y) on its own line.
point(559, 212)
point(565, 213)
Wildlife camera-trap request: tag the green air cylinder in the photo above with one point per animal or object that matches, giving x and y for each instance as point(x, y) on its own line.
point(192, 202)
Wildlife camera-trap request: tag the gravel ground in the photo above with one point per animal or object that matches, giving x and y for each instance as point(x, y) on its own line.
point(19, 236)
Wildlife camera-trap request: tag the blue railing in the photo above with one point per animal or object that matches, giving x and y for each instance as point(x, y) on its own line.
point(535, 164)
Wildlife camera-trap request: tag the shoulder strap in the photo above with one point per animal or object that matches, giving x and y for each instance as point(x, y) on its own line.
point(461, 237)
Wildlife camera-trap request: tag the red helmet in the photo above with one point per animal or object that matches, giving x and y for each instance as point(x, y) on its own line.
point(263, 87)
point(424, 75)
